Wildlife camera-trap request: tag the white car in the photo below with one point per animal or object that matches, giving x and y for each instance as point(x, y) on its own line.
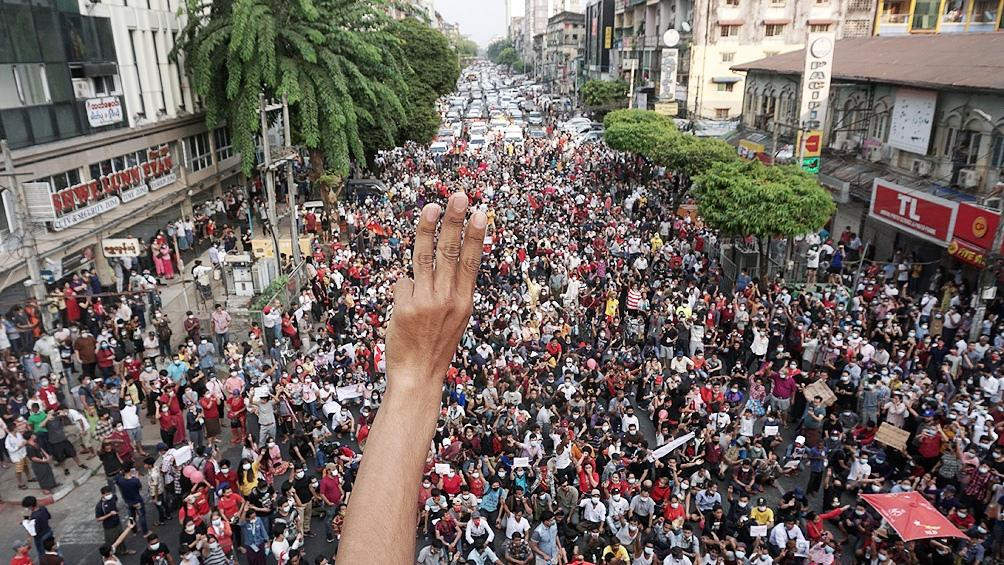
point(439, 148)
point(514, 136)
point(476, 143)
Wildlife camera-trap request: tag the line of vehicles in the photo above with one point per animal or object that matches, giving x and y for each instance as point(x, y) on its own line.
point(493, 106)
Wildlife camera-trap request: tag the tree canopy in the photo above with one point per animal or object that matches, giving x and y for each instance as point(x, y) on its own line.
point(748, 198)
point(336, 61)
point(604, 92)
point(639, 131)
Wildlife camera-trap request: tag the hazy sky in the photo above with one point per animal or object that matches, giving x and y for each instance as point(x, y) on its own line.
point(481, 20)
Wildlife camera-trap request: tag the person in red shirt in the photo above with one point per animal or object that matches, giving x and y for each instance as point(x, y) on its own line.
point(236, 412)
point(22, 551)
point(588, 478)
point(450, 482)
point(211, 413)
point(674, 510)
point(230, 501)
point(661, 490)
point(106, 361)
point(814, 526)
point(48, 394)
point(331, 496)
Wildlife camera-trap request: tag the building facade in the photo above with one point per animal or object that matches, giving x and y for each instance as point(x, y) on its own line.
point(923, 125)
point(599, 39)
point(899, 17)
point(105, 133)
point(692, 77)
point(565, 48)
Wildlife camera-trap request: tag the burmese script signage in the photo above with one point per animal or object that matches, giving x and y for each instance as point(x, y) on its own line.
point(97, 196)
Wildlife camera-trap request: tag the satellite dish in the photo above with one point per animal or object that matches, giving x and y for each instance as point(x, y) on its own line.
point(671, 38)
point(685, 26)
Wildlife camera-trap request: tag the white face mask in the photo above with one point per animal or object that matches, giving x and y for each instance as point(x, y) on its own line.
point(247, 466)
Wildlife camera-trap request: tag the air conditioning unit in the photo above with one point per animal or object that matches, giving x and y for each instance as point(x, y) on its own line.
point(969, 178)
point(83, 88)
point(921, 167)
point(875, 154)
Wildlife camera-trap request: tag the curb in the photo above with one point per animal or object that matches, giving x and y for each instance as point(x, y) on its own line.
point(66, 489)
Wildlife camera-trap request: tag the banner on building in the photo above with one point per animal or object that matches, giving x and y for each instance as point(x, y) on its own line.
point(125, 247)
point(816, 75)
point(667, 74)
point(103, 111)
point(912, 120)
point(915, 212)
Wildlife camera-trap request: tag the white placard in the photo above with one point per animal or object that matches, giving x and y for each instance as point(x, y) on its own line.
point(442, 468)
point(521, 462)
point(348, 392)
point(758, 531)
point(802, 548)
point(670, 446)
point(182, 455)
point(912, 120)
point(103, 111)
point(770, 430)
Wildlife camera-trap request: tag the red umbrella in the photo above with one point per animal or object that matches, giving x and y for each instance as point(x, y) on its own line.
point(912, 516)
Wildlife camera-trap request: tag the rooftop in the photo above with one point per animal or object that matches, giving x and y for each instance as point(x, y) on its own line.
point(949, 61)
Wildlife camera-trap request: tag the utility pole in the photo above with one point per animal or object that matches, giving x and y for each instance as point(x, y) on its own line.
point(294, 233)
point(988, 280)
point(32, 261)
point(269, 181)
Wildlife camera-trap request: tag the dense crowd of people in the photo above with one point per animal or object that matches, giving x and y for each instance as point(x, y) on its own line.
point(602, 330)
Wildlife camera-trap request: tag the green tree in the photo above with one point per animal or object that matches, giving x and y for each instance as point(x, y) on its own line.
point(604, 93)
point(509, 58)
point(690, 155)
point(639, 131)
point(495, 48)
point(335, 61)
point(466, 47)
point(749, 199)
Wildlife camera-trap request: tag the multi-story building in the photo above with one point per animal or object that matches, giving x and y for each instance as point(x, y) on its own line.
point(420, 8)
point(599, 39)
point(712, 36)
point(564, 50)
point(898, 17)
point(104, 130)
point(913, 140)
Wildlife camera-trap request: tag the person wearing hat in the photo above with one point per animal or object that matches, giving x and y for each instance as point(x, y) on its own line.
point(594, 512)
point(22, 553)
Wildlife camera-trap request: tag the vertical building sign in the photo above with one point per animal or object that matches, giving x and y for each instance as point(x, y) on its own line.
point(816, 77)
point(667, 74)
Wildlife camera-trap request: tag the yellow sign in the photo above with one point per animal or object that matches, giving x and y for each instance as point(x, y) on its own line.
point(813, 143)
point(263, 247)
point(668, 109)
point(752, 146)
point(608, 35)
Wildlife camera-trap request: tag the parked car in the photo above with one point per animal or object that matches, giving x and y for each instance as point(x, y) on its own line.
point(477, 142)
point(439, 148)
point(537, 133)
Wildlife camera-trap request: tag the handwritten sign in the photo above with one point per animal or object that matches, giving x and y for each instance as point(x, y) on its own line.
point(348, 392)
point(521, 462)
point(892, 436)
point(670, 446)
point(770, 430)
point(819, 389)
point(442, 468)
point(758, 531)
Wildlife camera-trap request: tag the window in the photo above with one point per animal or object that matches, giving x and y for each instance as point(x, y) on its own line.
point(732, 3)
point(224, 146)
point(728, 56)
point(721, 113)
point(818, 28)
point(984, 12)
point(725, 86)
point(139, 72)
point(117, 164)
point(160, 79)
point(105, 85)
point(925, 15)
point(774, 30)
point(997, 151)
point(729, 30)
point(30, 85)
point(198, 152)
point(877, 126)
point(62, 181)
point(955, 12)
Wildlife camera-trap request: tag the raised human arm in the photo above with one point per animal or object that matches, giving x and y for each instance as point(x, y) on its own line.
point(430, 314)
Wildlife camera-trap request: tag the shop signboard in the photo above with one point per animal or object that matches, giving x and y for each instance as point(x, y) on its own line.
point(96, 196)
point(122, 247)
point(967, 253)
point(817, 72)
point(912, 211)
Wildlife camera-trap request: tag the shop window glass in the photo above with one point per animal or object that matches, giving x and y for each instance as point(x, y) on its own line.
point(925, 14)
point(984, 11)
point(58, 79)
point(955, 12)
point(21, 26)
point(66, 120)
point(47, 27)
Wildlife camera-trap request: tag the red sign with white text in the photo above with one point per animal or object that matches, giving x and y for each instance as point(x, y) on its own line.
point(918, 213)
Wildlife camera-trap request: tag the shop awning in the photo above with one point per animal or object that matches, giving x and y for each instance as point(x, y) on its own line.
point(725, 79)
point(821, 22)
point(731, 22)
point(777, 21)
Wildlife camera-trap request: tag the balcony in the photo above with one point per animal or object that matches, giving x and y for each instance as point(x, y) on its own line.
point(620, 5)
point(651, 41)
point(627, 42)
